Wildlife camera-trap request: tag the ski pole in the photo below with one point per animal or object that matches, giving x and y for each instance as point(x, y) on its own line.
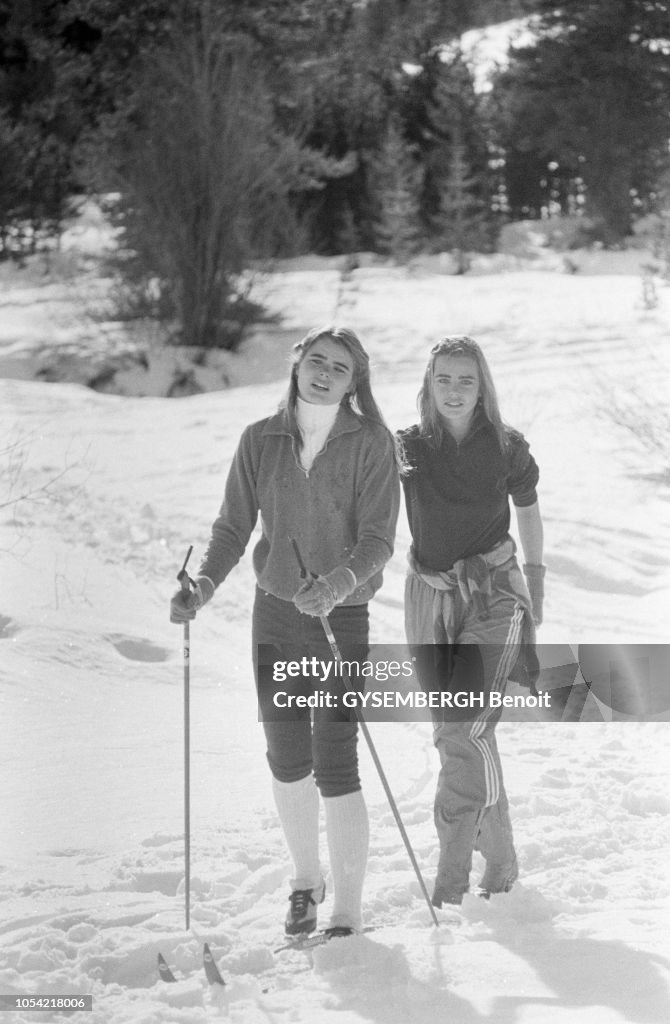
point(332, 643)
point(186, 584)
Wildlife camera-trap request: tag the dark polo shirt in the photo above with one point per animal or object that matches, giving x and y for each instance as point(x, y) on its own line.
point(457, 494)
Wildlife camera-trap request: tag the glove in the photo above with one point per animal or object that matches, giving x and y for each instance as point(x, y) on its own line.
point(185, 603)
point(319, 596)
point(535, 581)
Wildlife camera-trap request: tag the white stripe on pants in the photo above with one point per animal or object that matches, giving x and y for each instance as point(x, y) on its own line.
point(470, 800)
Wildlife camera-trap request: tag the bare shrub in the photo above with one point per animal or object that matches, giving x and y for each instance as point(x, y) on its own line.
point(205, 181)
point(641, 410)
point(19, 484)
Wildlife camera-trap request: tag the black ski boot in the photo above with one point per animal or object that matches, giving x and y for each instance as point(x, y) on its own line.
point(301, 917)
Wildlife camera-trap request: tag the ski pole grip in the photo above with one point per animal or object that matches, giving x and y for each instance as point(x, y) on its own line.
point(303, 568)
point(296, 549)
point(183, 577)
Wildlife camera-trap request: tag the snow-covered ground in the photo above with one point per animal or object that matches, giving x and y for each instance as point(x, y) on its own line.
point(112, 491)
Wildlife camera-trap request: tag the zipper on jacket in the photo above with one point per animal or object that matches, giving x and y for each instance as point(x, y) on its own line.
point(297, 460)
point(318, 455)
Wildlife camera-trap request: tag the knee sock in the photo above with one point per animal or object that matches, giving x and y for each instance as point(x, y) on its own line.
point(298, 808)
point(348, 835)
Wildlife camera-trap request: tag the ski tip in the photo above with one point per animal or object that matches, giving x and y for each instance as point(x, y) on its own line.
point(214, 976)
point(164, 971)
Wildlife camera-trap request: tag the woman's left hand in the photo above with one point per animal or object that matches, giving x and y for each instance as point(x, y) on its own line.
point(319, 595)
point(316, 597)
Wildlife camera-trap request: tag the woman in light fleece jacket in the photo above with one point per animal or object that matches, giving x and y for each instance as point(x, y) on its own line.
point(323, 472)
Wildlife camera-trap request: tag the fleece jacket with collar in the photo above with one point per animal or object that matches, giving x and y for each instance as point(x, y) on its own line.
point(342, 511)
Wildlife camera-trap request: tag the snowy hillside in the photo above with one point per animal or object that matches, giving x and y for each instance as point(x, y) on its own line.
point(101, 496)
point(486, 49)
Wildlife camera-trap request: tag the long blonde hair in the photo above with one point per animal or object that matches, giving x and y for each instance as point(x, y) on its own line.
point(432, 424)
point(359, 398)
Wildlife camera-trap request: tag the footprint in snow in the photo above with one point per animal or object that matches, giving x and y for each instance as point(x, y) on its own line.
point(8, 627)
point(138, 650)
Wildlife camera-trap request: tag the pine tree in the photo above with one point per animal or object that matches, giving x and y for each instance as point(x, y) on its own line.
point(398, 226)
point(592, 96)
point(460, 218)
point(43, 107)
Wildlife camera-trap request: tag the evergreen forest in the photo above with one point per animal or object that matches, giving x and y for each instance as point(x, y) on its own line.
point(222, 133)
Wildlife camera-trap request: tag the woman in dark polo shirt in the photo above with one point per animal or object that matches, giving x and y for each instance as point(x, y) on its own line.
point(468, 610)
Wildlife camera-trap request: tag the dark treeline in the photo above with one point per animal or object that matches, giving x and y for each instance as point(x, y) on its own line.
point(237, 130)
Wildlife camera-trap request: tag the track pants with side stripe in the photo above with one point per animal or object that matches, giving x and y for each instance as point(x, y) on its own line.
point(471, 809)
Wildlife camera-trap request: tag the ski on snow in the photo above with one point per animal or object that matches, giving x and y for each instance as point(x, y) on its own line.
point(310, 941)
point(212, 972)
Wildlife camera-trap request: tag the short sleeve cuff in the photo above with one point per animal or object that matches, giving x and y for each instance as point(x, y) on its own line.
point(525, 499)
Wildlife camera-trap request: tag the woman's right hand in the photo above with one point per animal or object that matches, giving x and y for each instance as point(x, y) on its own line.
point(185, 604)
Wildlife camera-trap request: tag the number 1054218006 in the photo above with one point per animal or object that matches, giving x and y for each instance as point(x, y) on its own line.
point(34, 1001)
